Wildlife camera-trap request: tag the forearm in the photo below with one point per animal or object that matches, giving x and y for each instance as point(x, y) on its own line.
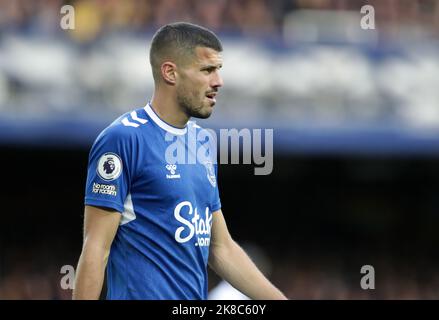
point(90, 274)
point(233, 265)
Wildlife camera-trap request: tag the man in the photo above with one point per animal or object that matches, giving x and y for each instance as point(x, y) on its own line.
point(159, 224)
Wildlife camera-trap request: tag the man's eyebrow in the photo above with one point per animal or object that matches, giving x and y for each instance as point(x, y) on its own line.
point(211, 66)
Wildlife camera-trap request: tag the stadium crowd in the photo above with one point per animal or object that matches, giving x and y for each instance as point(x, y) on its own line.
point(29, 276)
point(243, 17)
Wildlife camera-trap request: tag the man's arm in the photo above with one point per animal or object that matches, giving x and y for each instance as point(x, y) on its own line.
point(232, 264)
point(100, 226)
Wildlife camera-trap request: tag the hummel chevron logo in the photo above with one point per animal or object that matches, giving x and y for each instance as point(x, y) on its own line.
point(135, 117)
point(128, 123)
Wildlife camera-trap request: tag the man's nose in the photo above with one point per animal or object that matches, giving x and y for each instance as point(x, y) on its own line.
point(217, 81)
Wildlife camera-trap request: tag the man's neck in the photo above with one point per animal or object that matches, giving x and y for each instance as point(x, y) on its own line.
point(166, 107)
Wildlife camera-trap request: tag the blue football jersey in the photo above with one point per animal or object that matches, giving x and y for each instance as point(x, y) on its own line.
point(163, 181)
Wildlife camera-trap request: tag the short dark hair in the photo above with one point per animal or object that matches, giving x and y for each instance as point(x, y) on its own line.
point(177, 40)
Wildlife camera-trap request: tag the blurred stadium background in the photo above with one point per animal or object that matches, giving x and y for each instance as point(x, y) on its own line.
point(356, 127)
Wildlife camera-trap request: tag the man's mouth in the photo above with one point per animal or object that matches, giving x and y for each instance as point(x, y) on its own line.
point(211, 96)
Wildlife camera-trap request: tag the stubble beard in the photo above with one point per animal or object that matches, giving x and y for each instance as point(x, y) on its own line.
point(191, 109)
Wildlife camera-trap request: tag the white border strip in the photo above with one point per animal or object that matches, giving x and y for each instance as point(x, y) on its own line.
point(162, 124)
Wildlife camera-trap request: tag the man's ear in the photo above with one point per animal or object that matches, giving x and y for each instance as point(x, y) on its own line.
point(168, 70)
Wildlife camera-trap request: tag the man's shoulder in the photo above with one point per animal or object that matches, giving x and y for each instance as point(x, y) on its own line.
point(128, 124)
point(128, 127)
point(133, 119)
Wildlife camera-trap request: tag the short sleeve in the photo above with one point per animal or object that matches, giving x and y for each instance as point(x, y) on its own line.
point(110, 168)
point(216, 202)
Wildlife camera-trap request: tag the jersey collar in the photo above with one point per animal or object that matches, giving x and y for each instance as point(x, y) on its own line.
point(162, 124)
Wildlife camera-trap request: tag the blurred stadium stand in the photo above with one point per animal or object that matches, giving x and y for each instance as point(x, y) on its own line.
point(299, 66)
point(337, 97)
